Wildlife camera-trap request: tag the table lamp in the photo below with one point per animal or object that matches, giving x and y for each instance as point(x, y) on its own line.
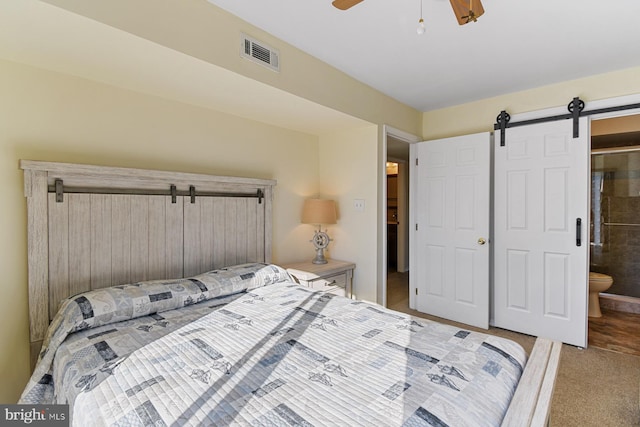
point(319, 211)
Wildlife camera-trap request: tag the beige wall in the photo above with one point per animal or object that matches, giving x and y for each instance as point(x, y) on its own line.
point(53, 117)
point(348, 171)
point(480, 116)
point(213, 35)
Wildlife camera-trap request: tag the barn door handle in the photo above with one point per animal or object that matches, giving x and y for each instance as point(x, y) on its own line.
point(578, 231)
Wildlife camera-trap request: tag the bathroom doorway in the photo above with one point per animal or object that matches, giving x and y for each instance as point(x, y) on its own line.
point(615, 230)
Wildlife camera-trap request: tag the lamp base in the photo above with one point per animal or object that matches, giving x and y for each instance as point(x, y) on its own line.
point(319, 259)
point(320, 241)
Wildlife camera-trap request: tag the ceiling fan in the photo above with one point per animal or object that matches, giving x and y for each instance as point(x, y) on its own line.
point(465, 10)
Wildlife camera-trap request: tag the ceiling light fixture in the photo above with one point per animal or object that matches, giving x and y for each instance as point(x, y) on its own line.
point(420, 29)
point(465, 10)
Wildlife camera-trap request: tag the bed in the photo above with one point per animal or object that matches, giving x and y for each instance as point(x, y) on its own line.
point(153, 301)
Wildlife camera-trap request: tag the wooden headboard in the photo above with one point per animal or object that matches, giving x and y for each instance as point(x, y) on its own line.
point(91, 227)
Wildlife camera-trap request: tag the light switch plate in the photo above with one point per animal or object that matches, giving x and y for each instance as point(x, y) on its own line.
point(358, 205)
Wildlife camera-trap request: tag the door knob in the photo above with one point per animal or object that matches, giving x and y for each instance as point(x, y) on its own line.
point(481, 241)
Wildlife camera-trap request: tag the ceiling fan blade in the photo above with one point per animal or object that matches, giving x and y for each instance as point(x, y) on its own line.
point(346, 4)
point(461, 9)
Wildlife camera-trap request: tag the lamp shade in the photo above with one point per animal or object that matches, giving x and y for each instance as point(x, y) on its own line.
point(319, 211)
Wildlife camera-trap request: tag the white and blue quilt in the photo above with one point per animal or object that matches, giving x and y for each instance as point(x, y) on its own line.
point(264, 351)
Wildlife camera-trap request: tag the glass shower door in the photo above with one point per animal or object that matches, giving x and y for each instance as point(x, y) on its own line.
point(615, 218)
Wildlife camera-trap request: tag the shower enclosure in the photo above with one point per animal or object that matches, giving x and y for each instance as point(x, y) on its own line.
point(615, 218)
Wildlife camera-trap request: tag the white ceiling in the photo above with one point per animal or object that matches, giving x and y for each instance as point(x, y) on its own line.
point(516, 45)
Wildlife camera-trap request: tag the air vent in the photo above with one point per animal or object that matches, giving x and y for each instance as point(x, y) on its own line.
point(259, 52)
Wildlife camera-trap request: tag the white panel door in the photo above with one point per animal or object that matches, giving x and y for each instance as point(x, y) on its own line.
point(541, 261)
point(451, 244)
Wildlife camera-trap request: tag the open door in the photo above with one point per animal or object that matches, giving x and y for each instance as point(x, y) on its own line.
point(541, 231)
point(450, 242)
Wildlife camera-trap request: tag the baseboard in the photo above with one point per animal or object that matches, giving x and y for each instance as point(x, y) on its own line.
point(620, 303)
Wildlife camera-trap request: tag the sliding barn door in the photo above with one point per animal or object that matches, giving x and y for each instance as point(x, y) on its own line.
point(450, 253)
point(541, 231)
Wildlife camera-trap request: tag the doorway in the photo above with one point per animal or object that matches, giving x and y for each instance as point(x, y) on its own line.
point(397, 233)
point(395, 196)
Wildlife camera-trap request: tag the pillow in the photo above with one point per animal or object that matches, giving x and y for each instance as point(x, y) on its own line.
point(124, 302)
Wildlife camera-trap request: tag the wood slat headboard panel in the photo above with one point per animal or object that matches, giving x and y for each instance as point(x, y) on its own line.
point(89, 241)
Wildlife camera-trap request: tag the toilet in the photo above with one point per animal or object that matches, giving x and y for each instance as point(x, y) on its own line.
point(598, 282)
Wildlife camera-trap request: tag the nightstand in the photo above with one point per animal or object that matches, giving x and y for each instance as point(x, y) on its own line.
point(335, 276)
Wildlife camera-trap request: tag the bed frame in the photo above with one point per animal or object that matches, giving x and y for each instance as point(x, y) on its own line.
point(91, 227)
point(94, 226)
